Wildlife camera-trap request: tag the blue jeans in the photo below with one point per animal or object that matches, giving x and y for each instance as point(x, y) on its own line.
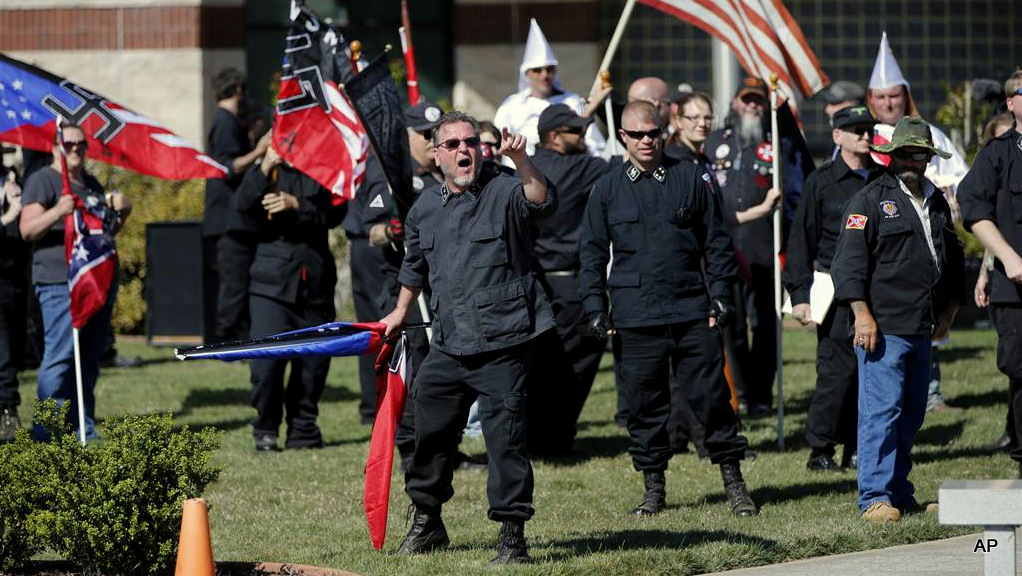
point(893, 380)
point(57, 370)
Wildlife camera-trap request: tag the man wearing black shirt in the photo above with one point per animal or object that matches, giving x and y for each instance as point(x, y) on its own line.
point(567, 359)
point(230, 237)
point(665, 227)
point(991, 200)
point(811, 244)
point(471, 238)
point(13, 278)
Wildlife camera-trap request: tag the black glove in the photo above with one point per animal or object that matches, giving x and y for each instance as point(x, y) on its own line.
point(722, 311)
point(599, 324)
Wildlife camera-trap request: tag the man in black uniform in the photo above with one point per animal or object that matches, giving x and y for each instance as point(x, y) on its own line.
point(567, 359)
point(818, 221)
point(741, 156)
point(292, 287)
point(663, 223)
point(471, 238)
point(899, 265)
point(229, 239)
point(990, 197)
point(14, 259)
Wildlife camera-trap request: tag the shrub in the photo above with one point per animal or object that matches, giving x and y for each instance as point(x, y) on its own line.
point(113, 507)
point(18, 475)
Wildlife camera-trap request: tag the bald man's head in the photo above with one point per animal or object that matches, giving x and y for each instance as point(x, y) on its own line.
point(655, 91)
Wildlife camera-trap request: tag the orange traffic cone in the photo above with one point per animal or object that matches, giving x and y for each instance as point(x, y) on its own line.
point(194, 548)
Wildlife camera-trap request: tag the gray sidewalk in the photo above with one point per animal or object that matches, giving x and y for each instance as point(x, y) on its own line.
point(951, 557)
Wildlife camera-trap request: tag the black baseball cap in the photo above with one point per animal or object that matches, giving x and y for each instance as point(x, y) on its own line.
point(423, 116)
point(557, 115)
point(853, 116)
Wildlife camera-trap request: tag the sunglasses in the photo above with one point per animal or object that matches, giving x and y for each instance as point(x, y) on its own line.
point(576, 130)
point(639, 135)
point(455, 143)
point(917, 156)
point(80, 144)
point(1017, 92)
point(858, 130)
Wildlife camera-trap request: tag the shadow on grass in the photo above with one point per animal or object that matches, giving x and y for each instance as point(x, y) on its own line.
point(587, 448)
point(940, 435)
point(773, 495)
point(952, 355)
point(955, 453)
point(996, 397)
point(572, 548)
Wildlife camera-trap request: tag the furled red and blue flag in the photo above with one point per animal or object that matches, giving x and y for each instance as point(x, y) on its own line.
point(32, 99)
point(331, 339)
point(90, 253)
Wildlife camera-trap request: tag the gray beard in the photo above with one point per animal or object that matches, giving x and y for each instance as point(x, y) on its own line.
point(463, 181)
point(750, 129)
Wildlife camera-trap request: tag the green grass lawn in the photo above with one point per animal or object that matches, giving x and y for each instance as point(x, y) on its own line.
point(305, 506)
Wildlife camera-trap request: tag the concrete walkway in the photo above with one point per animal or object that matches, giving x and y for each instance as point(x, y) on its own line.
point(951, 557)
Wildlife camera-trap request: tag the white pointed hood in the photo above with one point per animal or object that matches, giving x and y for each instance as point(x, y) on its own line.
point(887, 74)
point(537, 54)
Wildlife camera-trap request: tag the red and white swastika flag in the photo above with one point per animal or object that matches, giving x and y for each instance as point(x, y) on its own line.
point(761, 33)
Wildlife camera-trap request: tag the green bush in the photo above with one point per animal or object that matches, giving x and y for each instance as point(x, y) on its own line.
point(18, 476)
point(113, 507)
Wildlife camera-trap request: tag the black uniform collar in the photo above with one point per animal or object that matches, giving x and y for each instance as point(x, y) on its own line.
point(634, 173)
point(843, 171)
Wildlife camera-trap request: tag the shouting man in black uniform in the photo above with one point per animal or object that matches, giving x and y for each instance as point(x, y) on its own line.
point(818, 220)
point(567, 359)
point(663, 222)
point(991, 200)
point(471, 238)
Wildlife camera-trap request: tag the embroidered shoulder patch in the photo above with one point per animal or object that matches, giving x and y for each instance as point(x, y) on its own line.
point(890, 209)
point(856, 222)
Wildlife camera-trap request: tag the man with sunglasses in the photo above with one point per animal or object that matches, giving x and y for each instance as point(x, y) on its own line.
point(818, 220)
point(899, 266)
point(991, 201)
point(42, 223)
point(664, 225)
point(567, 358)
point(472, 239)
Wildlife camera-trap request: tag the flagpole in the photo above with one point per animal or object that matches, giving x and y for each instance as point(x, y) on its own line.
point(614, 41)
point(776, 149)
point(608, 108)
point(421, 300)
point(79, 388)
point(411, 75)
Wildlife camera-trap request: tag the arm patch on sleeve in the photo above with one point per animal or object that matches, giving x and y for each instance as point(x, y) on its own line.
point(856, 222)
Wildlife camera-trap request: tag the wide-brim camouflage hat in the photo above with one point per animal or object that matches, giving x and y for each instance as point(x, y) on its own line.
point(911, 132)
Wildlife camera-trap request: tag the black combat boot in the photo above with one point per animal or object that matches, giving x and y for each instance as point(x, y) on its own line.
point(427, 534)
point(737, 494)
point(511, 545)
point(653, 501)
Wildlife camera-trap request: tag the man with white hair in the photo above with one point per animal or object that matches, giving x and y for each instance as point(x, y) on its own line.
point(539, 87)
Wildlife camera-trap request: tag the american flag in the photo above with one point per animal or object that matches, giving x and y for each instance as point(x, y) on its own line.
point(761, 33)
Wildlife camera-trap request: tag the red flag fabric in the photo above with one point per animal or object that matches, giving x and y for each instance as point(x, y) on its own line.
point(315, 128)
point(32, 99)
point(411, 76)
point(391, 371)
point(761, 33)
point(91, 257)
